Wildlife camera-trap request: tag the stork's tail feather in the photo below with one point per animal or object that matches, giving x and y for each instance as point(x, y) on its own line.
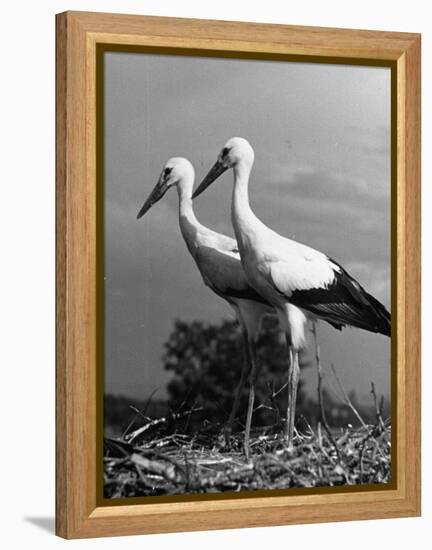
point(380, 318)
point(371, 313)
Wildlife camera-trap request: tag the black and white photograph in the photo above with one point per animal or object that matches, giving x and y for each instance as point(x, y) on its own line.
point(247, 212)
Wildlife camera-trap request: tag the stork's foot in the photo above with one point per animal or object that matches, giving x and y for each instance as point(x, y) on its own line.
point(289, 444)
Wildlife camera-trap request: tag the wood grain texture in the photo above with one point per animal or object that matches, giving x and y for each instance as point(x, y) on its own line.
point(238, 36)
point(78, 34)
point(412, 261)
point(76, 390)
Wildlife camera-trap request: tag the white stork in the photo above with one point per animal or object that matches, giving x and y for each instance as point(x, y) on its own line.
point(218, 260)
point(300, 282)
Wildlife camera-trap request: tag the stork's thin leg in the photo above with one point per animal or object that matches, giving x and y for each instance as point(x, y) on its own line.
point(238, 392)
point(252, 382)
point(288, 435)
point(293, 378)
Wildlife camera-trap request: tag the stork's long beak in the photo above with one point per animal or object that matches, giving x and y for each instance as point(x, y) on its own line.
point(158, 192)
point(217, 169)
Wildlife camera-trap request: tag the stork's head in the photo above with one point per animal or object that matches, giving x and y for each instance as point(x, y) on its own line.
point(235, 151)
point(177, 171)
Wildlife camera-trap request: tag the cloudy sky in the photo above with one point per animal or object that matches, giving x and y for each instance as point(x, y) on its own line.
point(321, 135)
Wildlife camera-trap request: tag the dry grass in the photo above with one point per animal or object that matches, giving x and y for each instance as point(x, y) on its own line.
point(175, 463)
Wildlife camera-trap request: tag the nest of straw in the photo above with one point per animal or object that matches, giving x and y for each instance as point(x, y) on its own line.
point(172, 464)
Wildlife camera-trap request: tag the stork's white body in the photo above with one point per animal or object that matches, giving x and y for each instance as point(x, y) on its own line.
point(275, 266)
point(299, 281)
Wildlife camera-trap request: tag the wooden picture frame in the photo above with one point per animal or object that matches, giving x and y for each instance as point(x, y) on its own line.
point(80, 38)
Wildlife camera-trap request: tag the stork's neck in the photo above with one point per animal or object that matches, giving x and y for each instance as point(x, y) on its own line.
point(189, 225)
point(243, 219)
point(185, 202)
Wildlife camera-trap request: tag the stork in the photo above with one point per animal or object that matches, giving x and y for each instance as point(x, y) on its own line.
point(218, 260)
point(301, 283)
